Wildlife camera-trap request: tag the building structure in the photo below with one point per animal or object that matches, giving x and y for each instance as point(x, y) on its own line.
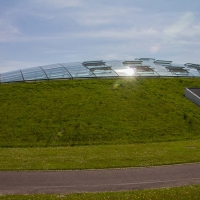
point(140, 67)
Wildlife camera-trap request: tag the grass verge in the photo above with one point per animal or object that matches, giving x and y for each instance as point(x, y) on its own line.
point(100, 156)
point(180, 193)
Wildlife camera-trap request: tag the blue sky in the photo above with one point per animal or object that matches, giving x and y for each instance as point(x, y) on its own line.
point(41, 32)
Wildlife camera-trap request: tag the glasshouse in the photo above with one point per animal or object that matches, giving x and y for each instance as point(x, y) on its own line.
point(140, 67)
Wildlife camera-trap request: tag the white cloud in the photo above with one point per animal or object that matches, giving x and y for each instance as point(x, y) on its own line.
point(104, 15)
point(55, 51)
point(59, 3)
point(183, 32)
point(193, 30)
point(7, 30)
point(19, 38)
point(180, 27)
point(118, 56)
point(155, 48)
point(119, 33)
point(111, 34)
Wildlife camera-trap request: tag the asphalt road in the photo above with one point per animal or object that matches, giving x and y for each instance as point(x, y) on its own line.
point(52, 182)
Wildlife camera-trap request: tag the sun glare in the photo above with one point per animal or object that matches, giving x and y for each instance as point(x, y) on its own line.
point(128, 71)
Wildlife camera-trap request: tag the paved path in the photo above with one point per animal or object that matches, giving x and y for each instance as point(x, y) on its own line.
point(35, 182)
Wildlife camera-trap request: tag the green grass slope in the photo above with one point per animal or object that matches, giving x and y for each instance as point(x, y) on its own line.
point(97, 111)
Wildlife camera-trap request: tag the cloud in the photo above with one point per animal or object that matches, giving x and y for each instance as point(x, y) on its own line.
point(111, 34)
point(55, 51)
point(59, 3)
point(104, 15)
point(180, 27)
point(155, 48)
point(182, 32)
point(126, 34)
point(7, 30)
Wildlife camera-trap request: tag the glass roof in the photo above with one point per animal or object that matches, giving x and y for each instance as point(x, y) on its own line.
point(100, 69)
point(34, 73)
point(13, 76)
point(56, 71)
point(77, 70)
point(140, 67)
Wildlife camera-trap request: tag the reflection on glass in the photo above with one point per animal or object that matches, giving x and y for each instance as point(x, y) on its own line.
point(125, 72)
point(120, 69)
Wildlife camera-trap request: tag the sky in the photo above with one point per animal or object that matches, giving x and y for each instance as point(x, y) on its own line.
point(41, 32)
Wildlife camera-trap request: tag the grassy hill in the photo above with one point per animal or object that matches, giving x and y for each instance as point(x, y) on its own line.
point(97, 111)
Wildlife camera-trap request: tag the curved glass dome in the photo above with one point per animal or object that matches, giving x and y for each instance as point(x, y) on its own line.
point(140, 67)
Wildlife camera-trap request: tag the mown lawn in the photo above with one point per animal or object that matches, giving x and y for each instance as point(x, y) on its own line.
point(99, 156)
point(97, 112)
point(177, 193)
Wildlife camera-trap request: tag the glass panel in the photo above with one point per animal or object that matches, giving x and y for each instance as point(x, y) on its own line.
point(194, 72)
point(147, 61)
point(194, 69)
point(93, 63)
point(191, 65)
point(162, 71)
point(165, 73)
point(144, 71)
point(116, 64)
point(13, 76)
point(11, 79)
point(35, 73)
point(134, 62)
point(77, 70)
point(56, 71)
point(121, 69)
point(141, 70)
point(102, 70)
point(163, 62)
point(31, 69)
point(179, 71)
point(11, 73)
